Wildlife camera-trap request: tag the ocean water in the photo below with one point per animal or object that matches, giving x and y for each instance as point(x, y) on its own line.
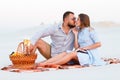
point(10, 38)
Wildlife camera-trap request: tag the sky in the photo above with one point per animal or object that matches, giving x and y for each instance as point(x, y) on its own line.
point(26, 13)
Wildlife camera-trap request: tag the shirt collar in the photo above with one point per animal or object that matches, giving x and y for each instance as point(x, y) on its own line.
point(60, 27)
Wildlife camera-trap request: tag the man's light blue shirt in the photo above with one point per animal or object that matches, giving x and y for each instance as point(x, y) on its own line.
point(61, 42)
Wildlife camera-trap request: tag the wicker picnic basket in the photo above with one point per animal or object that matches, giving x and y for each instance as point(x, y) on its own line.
point(22, 58)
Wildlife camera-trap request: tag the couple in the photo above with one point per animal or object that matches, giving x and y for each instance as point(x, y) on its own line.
point(71, 34)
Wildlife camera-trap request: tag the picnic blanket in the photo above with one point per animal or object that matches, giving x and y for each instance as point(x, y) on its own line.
point(11, 68)
point(40, 69)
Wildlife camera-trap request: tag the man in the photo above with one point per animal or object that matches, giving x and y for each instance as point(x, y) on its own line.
point(62, 37)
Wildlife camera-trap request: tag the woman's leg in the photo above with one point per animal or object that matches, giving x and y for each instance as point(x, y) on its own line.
point(65, 59)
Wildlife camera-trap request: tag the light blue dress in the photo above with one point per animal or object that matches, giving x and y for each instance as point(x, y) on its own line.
point(88, 37)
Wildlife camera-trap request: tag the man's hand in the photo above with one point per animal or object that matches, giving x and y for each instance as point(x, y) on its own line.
point(32, 48)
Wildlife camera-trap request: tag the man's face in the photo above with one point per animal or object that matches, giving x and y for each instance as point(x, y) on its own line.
point(71, 20)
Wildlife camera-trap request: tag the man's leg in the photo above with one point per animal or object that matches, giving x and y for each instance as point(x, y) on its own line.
point(44, 48)
point(52, 59)
point(55, 58)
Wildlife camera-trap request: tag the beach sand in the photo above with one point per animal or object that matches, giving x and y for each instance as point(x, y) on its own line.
point(110, 48)
point(109, 72)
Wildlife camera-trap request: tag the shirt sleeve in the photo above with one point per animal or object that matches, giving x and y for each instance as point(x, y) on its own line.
point(94, 36)
point(43, 32)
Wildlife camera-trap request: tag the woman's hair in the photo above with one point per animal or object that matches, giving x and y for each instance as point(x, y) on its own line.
point(85, 21)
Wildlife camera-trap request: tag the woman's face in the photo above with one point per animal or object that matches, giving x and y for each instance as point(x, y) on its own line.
point(78, 22)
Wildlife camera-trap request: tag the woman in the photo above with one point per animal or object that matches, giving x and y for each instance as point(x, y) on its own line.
point(86, 39)
point(86, 44)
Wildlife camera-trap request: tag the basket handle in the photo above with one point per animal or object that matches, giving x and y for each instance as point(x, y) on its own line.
point(22, 48)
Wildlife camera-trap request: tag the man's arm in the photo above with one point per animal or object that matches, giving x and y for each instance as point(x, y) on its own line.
point(42, 33)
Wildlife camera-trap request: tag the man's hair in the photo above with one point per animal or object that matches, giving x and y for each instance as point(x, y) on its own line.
point(66, 14)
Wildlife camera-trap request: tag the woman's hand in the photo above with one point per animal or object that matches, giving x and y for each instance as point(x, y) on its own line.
point(75, 31)
point(81, 49)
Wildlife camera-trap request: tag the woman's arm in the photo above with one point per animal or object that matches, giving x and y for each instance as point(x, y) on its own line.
point(93, 46)
point(75, 31)
point(94, 37)
point(76, 45)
